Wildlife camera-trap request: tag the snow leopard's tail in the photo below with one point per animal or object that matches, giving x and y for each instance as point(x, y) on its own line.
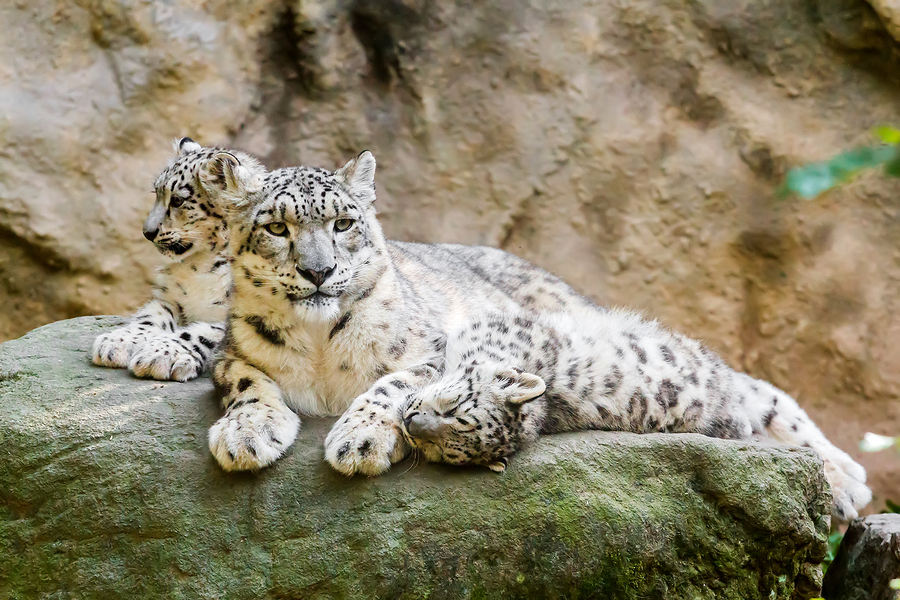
point(775, 414)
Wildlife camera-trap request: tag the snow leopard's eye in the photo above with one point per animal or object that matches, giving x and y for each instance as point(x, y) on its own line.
point(277, 229)
point(176, 201)
point(343, 224)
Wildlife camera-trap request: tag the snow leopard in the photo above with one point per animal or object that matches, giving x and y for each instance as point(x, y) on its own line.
point(174, 334)
point(327, 317)
point(509, 377)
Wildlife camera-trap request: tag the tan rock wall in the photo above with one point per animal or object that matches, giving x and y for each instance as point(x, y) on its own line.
point(630, 147)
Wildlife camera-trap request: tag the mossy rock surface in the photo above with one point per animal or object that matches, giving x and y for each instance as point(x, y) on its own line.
point(107, 490)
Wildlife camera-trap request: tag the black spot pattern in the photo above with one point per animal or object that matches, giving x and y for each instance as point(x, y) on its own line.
point(266, 331)
point(342, 322)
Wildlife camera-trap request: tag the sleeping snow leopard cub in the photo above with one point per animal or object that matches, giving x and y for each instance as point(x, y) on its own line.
point(328, 318)
point(173, 335)
point(510, 377)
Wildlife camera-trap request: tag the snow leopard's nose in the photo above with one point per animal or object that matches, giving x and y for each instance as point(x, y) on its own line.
point(154, 220)
point(407, 420)
point(316, 278)
point(421, 426)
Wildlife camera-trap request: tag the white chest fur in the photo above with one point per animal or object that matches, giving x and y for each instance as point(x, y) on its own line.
point(319, 373)
point(198, 287)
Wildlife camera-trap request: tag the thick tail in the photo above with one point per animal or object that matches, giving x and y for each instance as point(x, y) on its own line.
point(776, 415)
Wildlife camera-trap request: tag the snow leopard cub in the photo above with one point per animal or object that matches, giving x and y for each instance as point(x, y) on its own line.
point(174, 334)
point(509, 378)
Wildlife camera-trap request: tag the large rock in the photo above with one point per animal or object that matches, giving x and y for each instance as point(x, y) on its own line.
point(867, 561)
point(631, 147)
point(107, 490)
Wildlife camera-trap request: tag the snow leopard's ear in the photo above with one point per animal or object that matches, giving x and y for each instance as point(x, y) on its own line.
point(518, 387)
point(498, 466)
point(186, 145)
point(358, 176)
point(226, 174)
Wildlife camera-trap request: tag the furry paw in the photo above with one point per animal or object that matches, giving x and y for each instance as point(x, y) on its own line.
point(114, 349)
point(164, 359)
point(252, 435)
point(849, 466)
point(364, 441)
point(849, 495)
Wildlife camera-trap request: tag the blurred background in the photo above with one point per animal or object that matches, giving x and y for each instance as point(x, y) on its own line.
point(631, 147)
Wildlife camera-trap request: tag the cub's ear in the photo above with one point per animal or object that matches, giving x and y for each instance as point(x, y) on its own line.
point(225, 173)
point(186, 145)
point(358, 176)
point(518, 387)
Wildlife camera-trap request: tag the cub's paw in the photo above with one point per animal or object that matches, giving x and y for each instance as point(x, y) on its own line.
point(363, 441)
point(163, 358)
point(114, 349)
point(252, 435)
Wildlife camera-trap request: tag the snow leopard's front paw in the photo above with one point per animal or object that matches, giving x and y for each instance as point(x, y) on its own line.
point(114, 349)
point(252, 435)
point(365, 440)
point(165, 359)
point(849, 495)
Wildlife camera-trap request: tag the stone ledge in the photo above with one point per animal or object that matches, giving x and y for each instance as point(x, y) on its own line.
point(107, 490)
point(867, 560)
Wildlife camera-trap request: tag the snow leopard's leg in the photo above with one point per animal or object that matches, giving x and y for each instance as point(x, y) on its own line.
point(778, 416)
point(114, 349)
point(179, 356)
point(367, 439)
point(257, 426)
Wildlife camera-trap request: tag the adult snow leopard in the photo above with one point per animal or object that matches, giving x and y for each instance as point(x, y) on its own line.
point(509, 377)
point(174, 334)
point(328, 317)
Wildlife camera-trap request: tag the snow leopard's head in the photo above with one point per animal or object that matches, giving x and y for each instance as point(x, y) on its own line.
point(478, 414)
point(188, 216)
point(309, 236)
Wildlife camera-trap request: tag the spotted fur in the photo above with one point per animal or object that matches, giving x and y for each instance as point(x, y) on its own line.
point(174, 334)
point(329, 318)
point(509, 378)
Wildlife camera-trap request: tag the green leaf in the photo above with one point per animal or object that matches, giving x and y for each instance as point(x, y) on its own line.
point(813, 179)
point(809, 181)
point(888, 135)
point(834, 540)
point(892, 167)
point(892, 506)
